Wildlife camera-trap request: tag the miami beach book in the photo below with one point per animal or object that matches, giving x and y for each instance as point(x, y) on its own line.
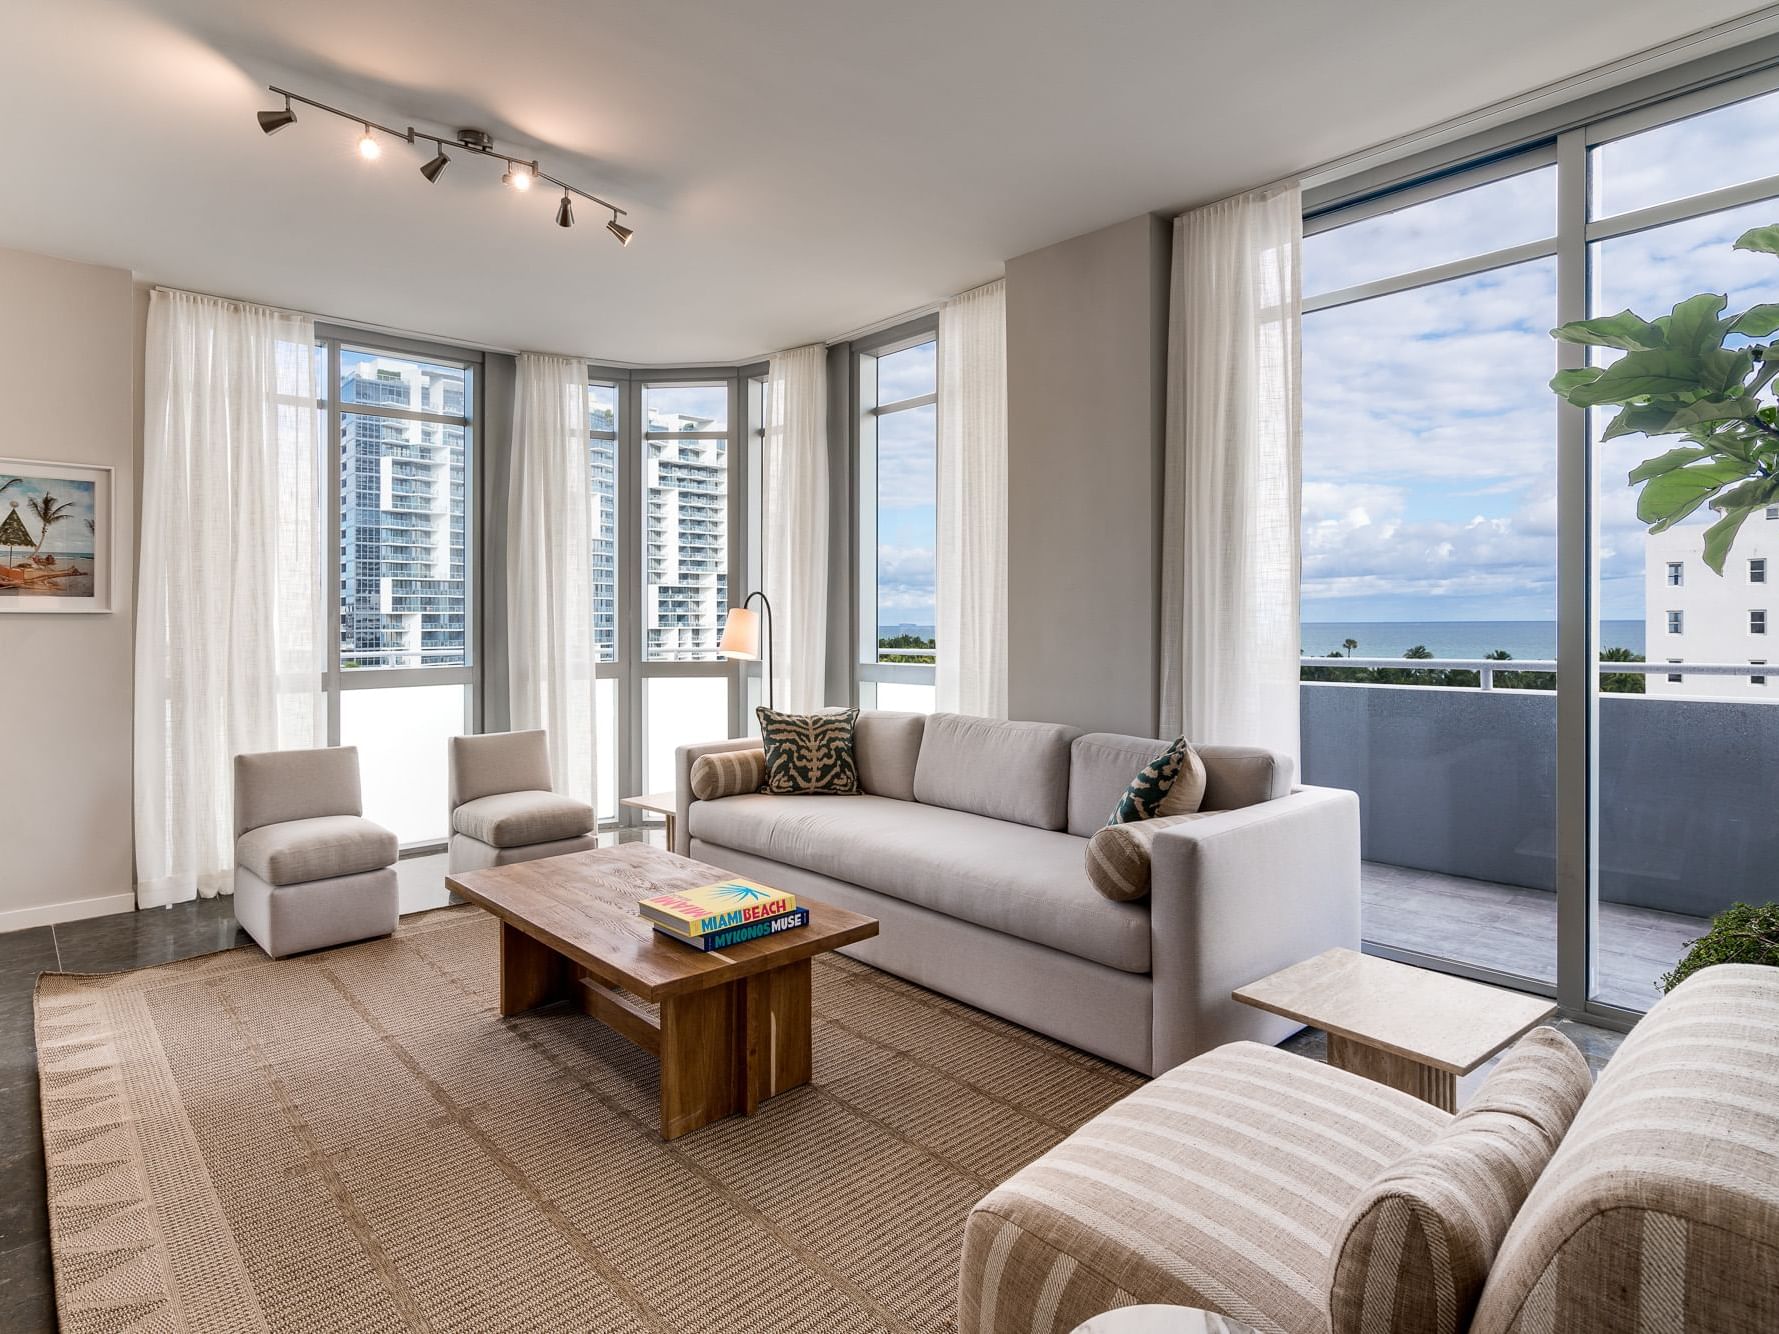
point(722, 906)
point(735, 935)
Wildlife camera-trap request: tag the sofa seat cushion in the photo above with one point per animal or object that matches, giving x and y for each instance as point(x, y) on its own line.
point(1221, 1185)
point(322, 848)
point(515, 819)
point(1024, 882)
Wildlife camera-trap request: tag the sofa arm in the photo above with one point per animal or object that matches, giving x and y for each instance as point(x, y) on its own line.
point(1241, 894)
point(684, 758)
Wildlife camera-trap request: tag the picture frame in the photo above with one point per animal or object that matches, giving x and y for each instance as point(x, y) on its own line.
point(58, 537)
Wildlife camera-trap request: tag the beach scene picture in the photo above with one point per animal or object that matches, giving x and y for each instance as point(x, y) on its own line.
point(49, 534)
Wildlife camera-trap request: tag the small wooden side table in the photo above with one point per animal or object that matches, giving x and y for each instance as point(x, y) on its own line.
point(1162, 1320)
point(1410, 1028)
point(656, 803)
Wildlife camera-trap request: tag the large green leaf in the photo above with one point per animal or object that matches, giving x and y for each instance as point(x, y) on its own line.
point(1756, 491)
point(1661, 463)
point(1757, 321)
point(1642, 375)
point(1669, 497)
point(1713, 410)
point(1764, 239)
point(1721, 536)
point(1693, 326)
point(1640, 419)
point(1629, 331)
point(1565, 381)
point(1722, 369)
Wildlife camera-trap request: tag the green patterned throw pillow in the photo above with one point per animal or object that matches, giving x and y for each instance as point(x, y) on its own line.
point(1143, 799)
point(809, 752)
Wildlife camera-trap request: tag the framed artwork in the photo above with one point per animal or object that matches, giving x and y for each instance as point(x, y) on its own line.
point(57, 549)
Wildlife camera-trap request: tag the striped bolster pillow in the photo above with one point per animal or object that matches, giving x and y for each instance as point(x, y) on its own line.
point(1118, 856)
point(728, 773)
point(1418, 1243)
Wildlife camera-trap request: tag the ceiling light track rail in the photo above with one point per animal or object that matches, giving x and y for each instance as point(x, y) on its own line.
point(521, 173)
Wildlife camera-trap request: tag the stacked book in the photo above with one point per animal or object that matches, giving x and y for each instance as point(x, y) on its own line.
point(718, 916)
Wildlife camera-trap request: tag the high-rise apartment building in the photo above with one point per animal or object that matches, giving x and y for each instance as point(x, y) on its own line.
point(1695, 615)
point(685, 540)
point(404, 429)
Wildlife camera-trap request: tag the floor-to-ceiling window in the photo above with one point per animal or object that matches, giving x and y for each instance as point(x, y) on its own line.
point(403, 427)
point(897, 488)
point(661, 449)
point(1557, 721)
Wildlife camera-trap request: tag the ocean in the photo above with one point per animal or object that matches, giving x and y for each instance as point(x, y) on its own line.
point(1456, 639)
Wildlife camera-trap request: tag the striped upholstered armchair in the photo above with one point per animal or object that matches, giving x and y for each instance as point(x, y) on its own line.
point(1305, 1200)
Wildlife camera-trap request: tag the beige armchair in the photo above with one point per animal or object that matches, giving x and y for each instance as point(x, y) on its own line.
point(503, 806)
point(310, 870)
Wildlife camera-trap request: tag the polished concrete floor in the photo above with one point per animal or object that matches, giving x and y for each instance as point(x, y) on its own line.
point(142, 939)
point(1515, 930)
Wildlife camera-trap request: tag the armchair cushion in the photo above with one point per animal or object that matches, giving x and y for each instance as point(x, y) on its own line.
point(1221, 1185)
point(728, 773)
point(1420, 1240)
point(516, 819)
point(295, 852)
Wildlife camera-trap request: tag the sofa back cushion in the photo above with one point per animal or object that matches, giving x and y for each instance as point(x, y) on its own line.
point(1238, 776)
point(1661, 1208)
point(1004, 770)
point(1418, 1242)
point(1102, 764)
point(887, 747)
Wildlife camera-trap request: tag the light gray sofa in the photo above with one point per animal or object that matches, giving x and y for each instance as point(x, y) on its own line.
point(967, 843)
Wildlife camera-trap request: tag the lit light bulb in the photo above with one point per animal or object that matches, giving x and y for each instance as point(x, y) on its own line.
point(368, 148)
point(518, 177)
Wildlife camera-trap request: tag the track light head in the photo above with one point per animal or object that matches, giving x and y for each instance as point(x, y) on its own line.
point(518, 175)
point(565, 212)
point(619, 230)
point(368, 148)
point(270, 122)
point(436, 168)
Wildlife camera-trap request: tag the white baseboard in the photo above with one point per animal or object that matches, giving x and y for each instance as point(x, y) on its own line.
point(17, 919)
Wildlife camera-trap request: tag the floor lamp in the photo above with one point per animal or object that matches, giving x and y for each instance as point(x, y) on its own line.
point(741, 637)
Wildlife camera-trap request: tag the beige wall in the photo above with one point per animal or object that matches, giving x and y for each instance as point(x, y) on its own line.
point(1086, 392)
point(68, 375)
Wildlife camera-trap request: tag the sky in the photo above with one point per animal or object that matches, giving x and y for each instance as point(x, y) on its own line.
point(907, 486)
point(1429, 429)
point(73, 535)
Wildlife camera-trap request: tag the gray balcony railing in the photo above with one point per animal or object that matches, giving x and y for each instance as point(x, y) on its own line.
point(1462, 781)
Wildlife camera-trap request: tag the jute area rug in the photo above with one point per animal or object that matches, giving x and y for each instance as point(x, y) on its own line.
point(354, 1140)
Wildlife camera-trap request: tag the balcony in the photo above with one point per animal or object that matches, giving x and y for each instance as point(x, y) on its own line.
point(1457, 790)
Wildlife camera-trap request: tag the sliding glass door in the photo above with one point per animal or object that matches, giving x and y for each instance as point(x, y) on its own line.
point(1559, 722)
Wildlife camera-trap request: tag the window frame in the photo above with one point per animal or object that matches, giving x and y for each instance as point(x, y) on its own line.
point(868, 673)
point(336, 679)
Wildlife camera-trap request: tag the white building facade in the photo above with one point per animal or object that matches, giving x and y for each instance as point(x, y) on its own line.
point(1694, 615)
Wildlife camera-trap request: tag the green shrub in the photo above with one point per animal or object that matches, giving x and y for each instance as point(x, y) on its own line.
point(1738, 934)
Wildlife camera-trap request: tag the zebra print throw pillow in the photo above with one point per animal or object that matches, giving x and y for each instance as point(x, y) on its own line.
point(809, 752)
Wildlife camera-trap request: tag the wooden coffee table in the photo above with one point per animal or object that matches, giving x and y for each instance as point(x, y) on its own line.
point(1410, 1028)
point(733, 1026)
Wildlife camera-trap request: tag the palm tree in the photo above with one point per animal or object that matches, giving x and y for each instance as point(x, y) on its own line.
point(1350, 645)
point(49, 513)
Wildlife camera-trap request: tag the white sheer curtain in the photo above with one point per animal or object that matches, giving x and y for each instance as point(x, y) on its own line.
point(1230, 630)
point(971, 594)
point(230, 644)
point(550, 654)
point(794, 521)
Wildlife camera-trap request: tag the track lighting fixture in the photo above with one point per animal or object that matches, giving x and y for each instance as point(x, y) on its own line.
point(521, 173)
point(273, 121)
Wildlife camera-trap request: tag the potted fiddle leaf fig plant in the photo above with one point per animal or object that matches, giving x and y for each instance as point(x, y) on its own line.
point(1704, 376)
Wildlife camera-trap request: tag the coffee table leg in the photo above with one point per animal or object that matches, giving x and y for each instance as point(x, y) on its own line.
point(1439, 1087)
point(778, 1033)
point(702, 1061)
point(531, 973)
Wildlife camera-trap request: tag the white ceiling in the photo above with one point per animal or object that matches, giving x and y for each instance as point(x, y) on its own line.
point(794, 168)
